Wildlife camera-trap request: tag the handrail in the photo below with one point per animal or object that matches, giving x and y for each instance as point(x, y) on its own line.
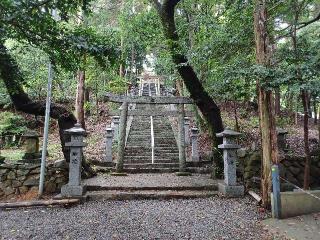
point(152, 139)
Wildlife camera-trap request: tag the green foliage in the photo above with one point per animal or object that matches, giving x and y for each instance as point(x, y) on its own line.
point(119, 85)
point(283, 122)
point(11, 124)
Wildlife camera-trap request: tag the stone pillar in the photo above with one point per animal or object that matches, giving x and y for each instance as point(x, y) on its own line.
point(181, 143)
point(194, 145)
point(122, 138)
point(74, 187)
point(229, 187)
point(109, 137)
point(31, 146)
point(115, 125)
point(186, 130)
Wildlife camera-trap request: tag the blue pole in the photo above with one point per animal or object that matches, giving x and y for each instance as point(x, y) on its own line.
point(276, 206)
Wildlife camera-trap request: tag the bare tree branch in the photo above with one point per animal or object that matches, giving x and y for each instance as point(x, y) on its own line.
point(309, 22)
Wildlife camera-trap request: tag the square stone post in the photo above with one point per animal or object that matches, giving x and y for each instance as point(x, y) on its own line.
point(194, 145)
point(74, 187)
point(109, 137)
point(186, 130)
point(229, 187)
point(122, 138)
point(115, 125)
point(181, 143)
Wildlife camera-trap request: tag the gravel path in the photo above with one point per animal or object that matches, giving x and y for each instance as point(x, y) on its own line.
point(213, 218)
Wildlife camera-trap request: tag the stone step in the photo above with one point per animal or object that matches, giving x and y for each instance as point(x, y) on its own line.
point(137, 152)
point(164, 137)
point(175, 151)
point(149, 161)
point(137, 144)
point(151, 165)
point(161, 145)
point(140, 135)
point(118, 195)
point(167, 155)
point(140, 157)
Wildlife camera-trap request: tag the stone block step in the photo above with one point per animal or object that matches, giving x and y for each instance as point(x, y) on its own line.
point(160, 153)
point(136, 152)
point(167, 156)
point(140, 135)
point(182, 187)
point(120, 195)
point(166, 149)
point(137, 156)
point(138, 142)
point(150, 165)
point(142, 161)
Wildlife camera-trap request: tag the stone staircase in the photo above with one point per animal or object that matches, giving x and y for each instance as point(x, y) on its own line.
point(138, 151)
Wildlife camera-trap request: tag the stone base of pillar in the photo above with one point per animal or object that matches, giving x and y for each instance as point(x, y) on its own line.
point(183, 174)
point(72, 191)
point(231, 191)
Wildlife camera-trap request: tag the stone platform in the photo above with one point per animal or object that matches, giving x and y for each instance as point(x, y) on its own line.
point(150, 186)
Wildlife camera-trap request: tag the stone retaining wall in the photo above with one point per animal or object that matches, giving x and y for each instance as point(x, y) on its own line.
point(19, 178)
point(291, 168)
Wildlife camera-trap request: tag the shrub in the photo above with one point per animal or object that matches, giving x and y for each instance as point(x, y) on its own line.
point(12, 124)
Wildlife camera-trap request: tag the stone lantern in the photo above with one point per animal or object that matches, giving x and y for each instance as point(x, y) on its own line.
point(230, 187)
point(31, 147)
point(74, 187)
point(282, 139)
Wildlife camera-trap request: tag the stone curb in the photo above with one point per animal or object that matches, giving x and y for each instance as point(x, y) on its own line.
point(147, 195)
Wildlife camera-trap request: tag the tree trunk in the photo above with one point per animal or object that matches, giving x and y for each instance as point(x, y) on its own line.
point(13, 80)
point(266, 103)
point(12, 77)
point(87, 101)
point(277, 99)
point(315, 110)
point(204, 102)
point(304, 97)
point(235, 107)
point(80, 98)
point(319, 124)
point(306, 179)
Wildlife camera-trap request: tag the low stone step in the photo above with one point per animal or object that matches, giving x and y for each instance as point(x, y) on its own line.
point(137, 156)
point(117, 195)
point(136, 152)
point(149, 161)
point(151, 165)
point(135, 142)
point(136, 135)
point(168, 149)
point(162, 144)
point(166, 155)
point(138, 147)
